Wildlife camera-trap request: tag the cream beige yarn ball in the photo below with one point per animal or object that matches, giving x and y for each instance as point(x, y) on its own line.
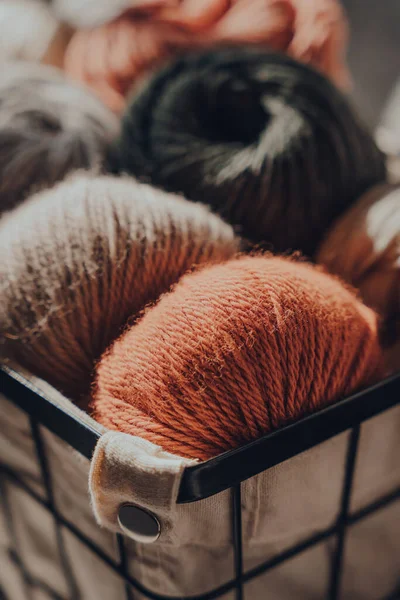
point(80, 260)
point(27, 28)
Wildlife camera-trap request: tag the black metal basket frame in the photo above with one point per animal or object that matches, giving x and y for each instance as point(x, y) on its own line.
point(226, 471)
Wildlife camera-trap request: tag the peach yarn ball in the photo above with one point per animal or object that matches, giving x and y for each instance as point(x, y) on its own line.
point(80, 260)
point(236, 351)
point(110, 58)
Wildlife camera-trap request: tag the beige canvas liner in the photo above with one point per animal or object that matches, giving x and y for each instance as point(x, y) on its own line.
point(194, 553)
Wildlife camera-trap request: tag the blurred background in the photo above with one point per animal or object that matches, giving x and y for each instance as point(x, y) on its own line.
point(374, 55)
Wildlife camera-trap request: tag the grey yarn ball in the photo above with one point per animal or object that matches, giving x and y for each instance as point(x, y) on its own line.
point(268, 142)
point(48, 128)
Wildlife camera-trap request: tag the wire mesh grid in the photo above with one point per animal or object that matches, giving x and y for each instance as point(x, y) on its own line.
point(336, 533)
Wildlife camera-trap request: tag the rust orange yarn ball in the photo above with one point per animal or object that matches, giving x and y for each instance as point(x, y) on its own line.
point(234, 352)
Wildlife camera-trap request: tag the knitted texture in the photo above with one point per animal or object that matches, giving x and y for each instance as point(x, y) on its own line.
point(268, 142)
point(27, 28)
point(79, 260)
point(363, 247)
point(110, 58)
point(234, 352)
point(48, 127)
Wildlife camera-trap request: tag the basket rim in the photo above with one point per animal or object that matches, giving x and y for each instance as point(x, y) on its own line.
point(234, 466)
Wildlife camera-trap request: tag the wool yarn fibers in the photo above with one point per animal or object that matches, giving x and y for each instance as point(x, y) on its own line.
point(48, 127)
point(27, 28)
point(112, 57)
point(77, 261)
point(236, 351)
point(363, 247)
point(269, 143)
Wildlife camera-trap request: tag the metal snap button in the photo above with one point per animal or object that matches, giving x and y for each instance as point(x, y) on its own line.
point(139, 524)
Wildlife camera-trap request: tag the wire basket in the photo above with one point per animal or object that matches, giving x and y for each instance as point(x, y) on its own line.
point(224, 474)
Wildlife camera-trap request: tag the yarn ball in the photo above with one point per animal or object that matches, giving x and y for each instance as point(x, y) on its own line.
point(27, 28)
point(112, 57)
point(363, 248)
point(268, 142)
point(48, 127)
point(81, 259)
point(236, 351)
